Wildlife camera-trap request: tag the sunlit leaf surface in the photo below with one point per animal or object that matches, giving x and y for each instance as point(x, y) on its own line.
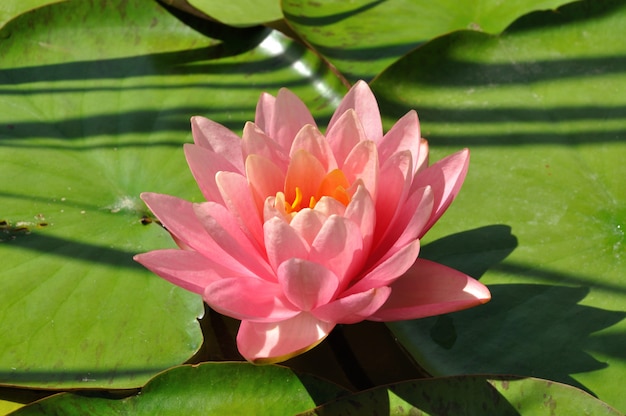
point(363, 37)
point(240, 12)
point(208, 389)
point(11, 9)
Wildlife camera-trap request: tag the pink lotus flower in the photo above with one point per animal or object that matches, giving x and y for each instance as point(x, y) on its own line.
point(302, 231)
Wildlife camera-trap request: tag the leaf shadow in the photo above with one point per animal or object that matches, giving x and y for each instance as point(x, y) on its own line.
point(472, 251)
point(527, 329)
point(466, 395)
point(538, 330)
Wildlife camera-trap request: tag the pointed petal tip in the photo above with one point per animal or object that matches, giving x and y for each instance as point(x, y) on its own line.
point(479, 291)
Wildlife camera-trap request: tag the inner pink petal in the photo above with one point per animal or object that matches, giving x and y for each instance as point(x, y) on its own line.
point(310, 139)
point(282, 242)
point(346, 133)
point(306, 173)
point(306, 284)
point(307, 223)
point(266, 179)
point(362, 163)
point(328, 206)
point(339, 247)
point(256, 142)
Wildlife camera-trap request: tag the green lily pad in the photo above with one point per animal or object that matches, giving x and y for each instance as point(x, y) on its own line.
point(240, 13)
point(543, 210)
point(96, 100)
point(206, 389)
point(363, 37)
point(12, 9)
point(470, 395)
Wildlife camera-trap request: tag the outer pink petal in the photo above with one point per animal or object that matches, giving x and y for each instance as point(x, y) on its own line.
point(249, 298)
point(387, 270)
point(428, 289)
point(282, 242)
point(346, 133)
point(445, 177)
point(256, 142)
point(404, 135)
point(224, 230)
point(266, 343)
point(339, 247)
point(265, 112)
point(362, 100)
point(217, 138)
point(290, 115)
point(397, 174)
point(408, 223)
point(422, 159)
point(187, 269)
point(237, 196)
point(362, 163)
point(178, 216)
point(306, 284)
point(204, 164)
point(362, 212)
point(354, 308)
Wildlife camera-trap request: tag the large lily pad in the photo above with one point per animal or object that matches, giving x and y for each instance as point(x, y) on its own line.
point(542, 108)
point(470, 395)
point(95, 99)
point(363, 37)
point(11, 9)
point(207, 389)
point(240, 12)
point(238, 388)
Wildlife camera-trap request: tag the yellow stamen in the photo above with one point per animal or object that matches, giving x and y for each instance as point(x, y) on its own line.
point(295, 206)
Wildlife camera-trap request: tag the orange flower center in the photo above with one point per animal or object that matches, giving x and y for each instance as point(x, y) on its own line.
point(334, 185)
